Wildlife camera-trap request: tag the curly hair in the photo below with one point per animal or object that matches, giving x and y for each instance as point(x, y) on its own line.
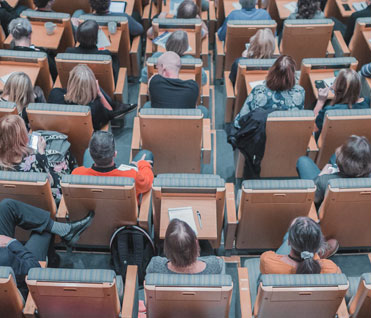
point(100, 6)
point(307, 9)
point(41, 3)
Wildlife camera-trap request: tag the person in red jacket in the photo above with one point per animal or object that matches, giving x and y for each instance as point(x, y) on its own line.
point(102, 153)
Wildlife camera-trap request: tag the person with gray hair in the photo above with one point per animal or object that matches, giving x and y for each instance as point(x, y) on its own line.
point(21, 31)
point(247, 12)
point(8, 13)
point(99, 160)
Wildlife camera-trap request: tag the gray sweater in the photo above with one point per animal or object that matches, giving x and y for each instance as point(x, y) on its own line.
point(214, 264)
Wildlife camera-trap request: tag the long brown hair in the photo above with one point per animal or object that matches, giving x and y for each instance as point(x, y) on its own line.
point(13, 140)
point(347, 87)
point(262, 45)
point(81, 85)
point(281, 76)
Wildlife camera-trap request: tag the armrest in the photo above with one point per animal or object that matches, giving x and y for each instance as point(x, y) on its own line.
point(145, 211)
point(62, 211)
point(212, 11)
point(244, 293)
point(277, 50)
point(339, 44)
point(134, 54)
point(212, 21)
point(220, 56)
point(207, 142)
point(231, 222)
point(120, 85)
point(57, 83)
point(313, 213)
point(312, 148)
point(130, 291)
point(143, 94)
point(330, 50)
point(43, 264)
point(136, 138)
point(30, 308)
point(204, 54)
point(230, 98)
point(342, 311)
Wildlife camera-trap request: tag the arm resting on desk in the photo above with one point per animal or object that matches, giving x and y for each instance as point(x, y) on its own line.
point(230, 217)
point(244, 293)
point(207, 142)
point(130, 290)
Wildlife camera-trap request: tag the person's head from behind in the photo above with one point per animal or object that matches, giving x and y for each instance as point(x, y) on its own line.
point(102, 148)
point(181, 246)
point(347, 87)
point(281, 76)
point(169, 64)
point(353, 158)
point(43, 4)
point(262, 45)
point(87, 34)
point(187, 10)
point(178, 42)
point(81, 85)
point(305, 239)
point(100, 6)
point(21, 31)
point(13, 140)
point(18, 89)
point(307, 8)
point(247, 4)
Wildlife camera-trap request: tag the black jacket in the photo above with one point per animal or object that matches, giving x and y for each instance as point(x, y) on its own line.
point(350, 26)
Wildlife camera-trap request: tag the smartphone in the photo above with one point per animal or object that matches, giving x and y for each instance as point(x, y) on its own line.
point(320, 84)
point(33, 140)
point(346, 6)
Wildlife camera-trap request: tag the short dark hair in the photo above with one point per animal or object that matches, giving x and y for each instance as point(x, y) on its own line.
point(87, 33)
point(187, 10)
point(304, 235)
point(180, 245)
point(281, 76)
point(354, 157)
point(100, 6)
point(102, 148)
point(307, 9)
point(41, 3)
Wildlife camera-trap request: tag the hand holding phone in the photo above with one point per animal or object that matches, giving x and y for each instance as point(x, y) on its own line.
point(320, 84)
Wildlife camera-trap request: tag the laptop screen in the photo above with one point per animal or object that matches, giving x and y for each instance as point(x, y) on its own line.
point(118, 6)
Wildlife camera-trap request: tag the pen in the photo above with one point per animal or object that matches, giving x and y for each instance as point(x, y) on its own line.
point(199, 218)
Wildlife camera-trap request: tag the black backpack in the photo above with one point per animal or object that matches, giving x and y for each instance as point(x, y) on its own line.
point(131, 245)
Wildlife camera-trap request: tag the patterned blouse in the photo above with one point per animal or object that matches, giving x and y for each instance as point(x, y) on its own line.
point(262, 96)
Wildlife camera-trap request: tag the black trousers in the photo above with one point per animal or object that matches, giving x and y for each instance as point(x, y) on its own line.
point(15, 213)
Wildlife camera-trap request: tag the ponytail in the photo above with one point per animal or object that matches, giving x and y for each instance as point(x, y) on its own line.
point(308, 266)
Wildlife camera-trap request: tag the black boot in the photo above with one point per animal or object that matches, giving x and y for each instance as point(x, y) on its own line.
point(77, 228)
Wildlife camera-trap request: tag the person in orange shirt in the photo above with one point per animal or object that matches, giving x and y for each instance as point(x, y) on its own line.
point(101, 156)
point(303, 251)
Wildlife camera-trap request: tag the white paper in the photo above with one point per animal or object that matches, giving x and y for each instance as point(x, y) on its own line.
point(256, 83)
point(162, 39)
point(184, 214)
point(291, 6)
point(5, 77)
point(102, 40)
point(359, 6)
point(329, 81)
point(237, 5)
point(124, 167)
point(117, 7)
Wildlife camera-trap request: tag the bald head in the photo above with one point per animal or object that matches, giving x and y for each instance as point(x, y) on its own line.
point(169, 64)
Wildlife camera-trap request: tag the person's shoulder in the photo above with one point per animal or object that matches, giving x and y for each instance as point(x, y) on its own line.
point(157, 265)
point(328, 267)
point(82, 171)
point(268, 256)
point(214, 264)
point(72, 50)
point(298, 87)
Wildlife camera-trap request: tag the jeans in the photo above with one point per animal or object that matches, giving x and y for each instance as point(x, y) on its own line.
point(307, 169)
point(203, 109)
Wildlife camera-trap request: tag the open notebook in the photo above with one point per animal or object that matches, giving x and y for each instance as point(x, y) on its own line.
point(185, 214)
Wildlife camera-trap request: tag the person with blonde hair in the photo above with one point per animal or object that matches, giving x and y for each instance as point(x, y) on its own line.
point(83, 89)
point(346, 88)
point(18, 89)
point(261, 46)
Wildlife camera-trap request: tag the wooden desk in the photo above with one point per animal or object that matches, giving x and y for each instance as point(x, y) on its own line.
point(284, 13)
point(367, 37)
point(316, 75)
point(40, 38)
point(192, 42)
point(346, 13)
point(9, 67)
point(113, 38)
point(207, 208)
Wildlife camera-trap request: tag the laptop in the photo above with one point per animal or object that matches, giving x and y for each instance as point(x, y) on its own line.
point(117, 6)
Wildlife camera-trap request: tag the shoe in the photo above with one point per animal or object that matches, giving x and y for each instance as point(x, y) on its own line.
point(330, 249)
point(123, 109)
point(77, 228)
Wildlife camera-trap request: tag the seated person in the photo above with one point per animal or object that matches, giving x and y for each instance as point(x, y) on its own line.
point(366, 70)
point(307, 9)
point(167, 90)
point(102, 154)
point(351, 160)
point(247, 12)
point(261, 46)
point(101, 7)
point(303, 251)
point(8, 13)
point(279, 91)
point(21, 31)
point(177, 42)
point(87, 35)
point(44, 5)
point(21, 258)
point(186, 10)
point(347, 88)
point(181, 248)
point(18, 89)
point(83, 89)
